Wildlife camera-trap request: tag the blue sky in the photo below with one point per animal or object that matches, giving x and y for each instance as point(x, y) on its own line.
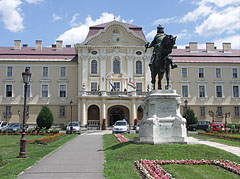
point(199, 21)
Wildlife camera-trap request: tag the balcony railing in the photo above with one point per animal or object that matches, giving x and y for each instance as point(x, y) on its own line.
point(112, 93)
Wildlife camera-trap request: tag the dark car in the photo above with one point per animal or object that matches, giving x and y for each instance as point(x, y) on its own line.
point(14, 127)
point(200, 125)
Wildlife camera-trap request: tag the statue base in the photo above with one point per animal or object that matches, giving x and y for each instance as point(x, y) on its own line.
point(162, 121)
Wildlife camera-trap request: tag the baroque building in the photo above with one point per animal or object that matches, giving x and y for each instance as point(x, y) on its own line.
point(107, 76)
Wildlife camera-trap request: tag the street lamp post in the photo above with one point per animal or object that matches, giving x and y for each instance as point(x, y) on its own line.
point(227, 115)
point(71, 128)
point(26, 79)
point(5, 116)
point(211, 114)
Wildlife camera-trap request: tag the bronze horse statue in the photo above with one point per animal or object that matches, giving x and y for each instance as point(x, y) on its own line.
point(162, 61)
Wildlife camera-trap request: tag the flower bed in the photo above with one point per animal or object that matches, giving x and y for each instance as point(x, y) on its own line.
point(152, 168)
point(45, 140)
point(120, 138)
point(220, 135)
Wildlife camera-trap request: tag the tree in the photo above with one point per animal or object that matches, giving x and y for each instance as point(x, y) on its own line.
point(45, 118)
point(189, 115)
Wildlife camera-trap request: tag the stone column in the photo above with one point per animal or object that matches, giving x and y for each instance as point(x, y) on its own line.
point(79, 112)
point(84, 112)
point(130, 70)
point(85, 72)
point(134, 112)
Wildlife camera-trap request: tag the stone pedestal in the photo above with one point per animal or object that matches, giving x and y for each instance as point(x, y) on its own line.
point(162, 121)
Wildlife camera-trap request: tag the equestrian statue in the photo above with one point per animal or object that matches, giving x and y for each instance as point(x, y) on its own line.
point(161, 61)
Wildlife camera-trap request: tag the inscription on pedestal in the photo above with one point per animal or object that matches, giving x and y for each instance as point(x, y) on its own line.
point(165, 108)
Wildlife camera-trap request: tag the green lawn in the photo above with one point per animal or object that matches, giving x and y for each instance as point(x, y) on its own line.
point(10, 147)
point(213, 139)
point(120, 157)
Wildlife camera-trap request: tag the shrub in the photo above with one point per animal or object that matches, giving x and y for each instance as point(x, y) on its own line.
point(45, 118)
point(189, 115)
point(237, 126)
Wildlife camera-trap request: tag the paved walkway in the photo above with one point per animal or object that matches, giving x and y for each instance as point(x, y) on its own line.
point(231, 149)
point(81, 158)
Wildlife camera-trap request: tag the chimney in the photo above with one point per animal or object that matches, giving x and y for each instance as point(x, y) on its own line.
point(193, 46)
point(17, 44)
point(59, 45)
point(38, 45)
point(227, 48)
point(210, 47)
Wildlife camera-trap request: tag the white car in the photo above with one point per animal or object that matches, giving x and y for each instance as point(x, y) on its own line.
point(121, 127)
point(3, 125)
point(75, 128)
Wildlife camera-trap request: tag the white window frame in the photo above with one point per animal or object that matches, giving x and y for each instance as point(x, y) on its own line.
point(220, 72)
point(138, 60)
point(202, 111)
point(60, 71)
point(187, 90)
point(120, 59)
point(238, 91)
point(216, 90)
point(137, 86)
point(30, 92)
point(204, 90)
point(119, 85)
point(93, 82)
point(42, 90)
point(60, 112)
point(234, 73)
point(5, 91)
point(8, 113)
point(59, 90)
point(184, 73)
point(236, 111)
point(221, 111)
point(43, 73)
point(91, 67)
point(199, 72)
point(8, 71)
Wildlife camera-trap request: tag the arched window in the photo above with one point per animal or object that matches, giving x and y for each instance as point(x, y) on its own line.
point(94, 67)
point(138, 67)
point(116, 66)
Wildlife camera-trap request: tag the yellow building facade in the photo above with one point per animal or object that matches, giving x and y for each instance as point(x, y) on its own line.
point(98, 75)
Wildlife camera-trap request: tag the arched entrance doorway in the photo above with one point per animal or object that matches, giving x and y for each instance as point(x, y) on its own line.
point(140, 113)
point(116, 113)
point(93, 116)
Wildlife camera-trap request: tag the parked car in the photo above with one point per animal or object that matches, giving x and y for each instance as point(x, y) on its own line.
point(217, 126)
point(3, 125)
point(121, 127)
point(200, 125)
point(14, 127)
point(76, 129)
point(137, 128)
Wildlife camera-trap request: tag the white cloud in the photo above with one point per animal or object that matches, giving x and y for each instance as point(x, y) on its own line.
point(181, 1)
point(226, 20)
point(234, 40)
point(166, 20)
point(34, 1)
point(151, 34)
point(78, 34)
point(56, 17)
point(184, 34)
point(74, 19)
point(11, 15)
point(221, 3)
point(201, 11)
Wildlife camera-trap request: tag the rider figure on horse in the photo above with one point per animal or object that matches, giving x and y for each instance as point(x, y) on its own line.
point(159, 52)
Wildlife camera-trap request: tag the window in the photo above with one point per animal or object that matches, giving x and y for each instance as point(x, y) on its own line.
point(44, 91)
point(63, 91)
point(219, 92)
point(8, 111)
point(9, 71)
point(45, 71)
point(138, 67)
point(62, 111)
point(236, 91)
point(117, 86)
point(184, 91)
point(184, 72)
point(138, 86)
point(63, 71)
point(116, 66)
point(201, 72)
point(219, 111)
point(236, 111)
point(9, 91)
point(201, 89)
point(93, 86)
point(28, 90)
point(234, 73)
point(202, 111)
point(218, 72)
point(28, 68)
point(94, 67)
